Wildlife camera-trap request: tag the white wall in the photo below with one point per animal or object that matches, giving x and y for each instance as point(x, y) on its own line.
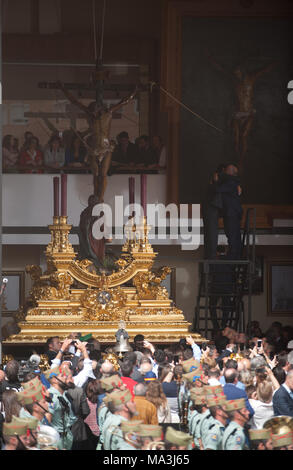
point(27, 199)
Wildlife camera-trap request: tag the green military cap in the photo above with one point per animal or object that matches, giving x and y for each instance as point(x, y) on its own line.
point(190, 365)
point(55, 371)
point(34, 383)
point(280, 440)
point(32, 423)
point(195, 392)
point(30, 395)
point(119, 397)
point(15, 428)
point(213, 390)
point(259, 434)
point(109, 383)
point(215, 400)
point(198, 398)
point(178, 438)
point(191, 376)
point(130, 426)
point(232, 405)
point(149, 430)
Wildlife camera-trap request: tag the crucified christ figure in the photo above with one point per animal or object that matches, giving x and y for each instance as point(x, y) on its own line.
point(99, 146)
point(243, 117)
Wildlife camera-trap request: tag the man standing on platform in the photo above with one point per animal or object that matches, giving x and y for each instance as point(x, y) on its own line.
point(211, 208)
point(229, 188)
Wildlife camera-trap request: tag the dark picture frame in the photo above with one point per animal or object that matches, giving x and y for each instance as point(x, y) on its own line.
point(280, 291)
point(14, 293)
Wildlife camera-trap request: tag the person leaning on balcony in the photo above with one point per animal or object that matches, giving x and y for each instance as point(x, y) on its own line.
point(54, 156)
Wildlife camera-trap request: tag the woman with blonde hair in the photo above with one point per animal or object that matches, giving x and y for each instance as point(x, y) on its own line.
point(263, 404)
point(156, 396)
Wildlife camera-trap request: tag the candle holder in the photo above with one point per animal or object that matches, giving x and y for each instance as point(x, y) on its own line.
point(59, 236)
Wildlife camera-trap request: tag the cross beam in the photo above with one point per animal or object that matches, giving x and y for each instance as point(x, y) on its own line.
point(87, 86)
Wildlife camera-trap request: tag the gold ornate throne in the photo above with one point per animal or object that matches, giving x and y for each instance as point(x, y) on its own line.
point(71, 297)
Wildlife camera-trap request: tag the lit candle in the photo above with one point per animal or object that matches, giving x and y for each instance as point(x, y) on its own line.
point(63, 195)
point(56, 195)
point(143, 193)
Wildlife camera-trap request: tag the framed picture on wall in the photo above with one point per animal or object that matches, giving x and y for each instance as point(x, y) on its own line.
point(280, 291)
point(13, 294)
point(170, 284)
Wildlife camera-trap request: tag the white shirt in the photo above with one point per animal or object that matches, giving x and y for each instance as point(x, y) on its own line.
point(81, 378)
point(262, 412)
point(196, 351)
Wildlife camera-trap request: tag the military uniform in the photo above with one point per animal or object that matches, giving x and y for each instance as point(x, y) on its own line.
point(214, 435)
point(196, 429)
point(205, 422)
point(234, 437)
point(113, 436)
point(178, 438)
point(212, 429)
point(103, 413)
point(62, 420)
point(191, 421)
point(198, 398)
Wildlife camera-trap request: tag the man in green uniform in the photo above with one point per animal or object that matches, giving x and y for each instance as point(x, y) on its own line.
point(177, 440)
point(33, 401)
point(130, 434)
point(283, 441)
point(188, 385)
point(214, 434)
point(15, 435)
point(207, 419)
point(198, 398)
point(32, 425)
point(122, 408)
point(60, 408)
point(151, 437)
point(260, 439)
point(234, 437)
point(108, 384)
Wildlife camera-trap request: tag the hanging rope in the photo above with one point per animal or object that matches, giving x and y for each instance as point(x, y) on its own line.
point(185, 107)
point(95, 31)
point(103, 30)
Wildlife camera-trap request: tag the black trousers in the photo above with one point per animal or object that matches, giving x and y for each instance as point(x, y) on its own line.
point(233, 233)
point(210, 229)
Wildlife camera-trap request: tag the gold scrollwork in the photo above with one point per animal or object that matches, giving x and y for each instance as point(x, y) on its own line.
point(148, 284)
point(113, 309)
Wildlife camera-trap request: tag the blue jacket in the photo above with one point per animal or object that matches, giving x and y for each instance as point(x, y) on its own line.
point(282, 402)
point(233, 393)
point(228, 188)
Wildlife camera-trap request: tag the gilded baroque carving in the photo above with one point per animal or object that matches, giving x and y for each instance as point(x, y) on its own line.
point(104, 301)
point(148, 284)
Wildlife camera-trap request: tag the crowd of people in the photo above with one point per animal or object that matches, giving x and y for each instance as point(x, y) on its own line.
point(217, 396)
point(68, 150)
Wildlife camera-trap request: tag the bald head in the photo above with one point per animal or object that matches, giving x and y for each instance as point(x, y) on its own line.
point(231, 376)
point(107, 369)
point(139, 390)
point(243, 364)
